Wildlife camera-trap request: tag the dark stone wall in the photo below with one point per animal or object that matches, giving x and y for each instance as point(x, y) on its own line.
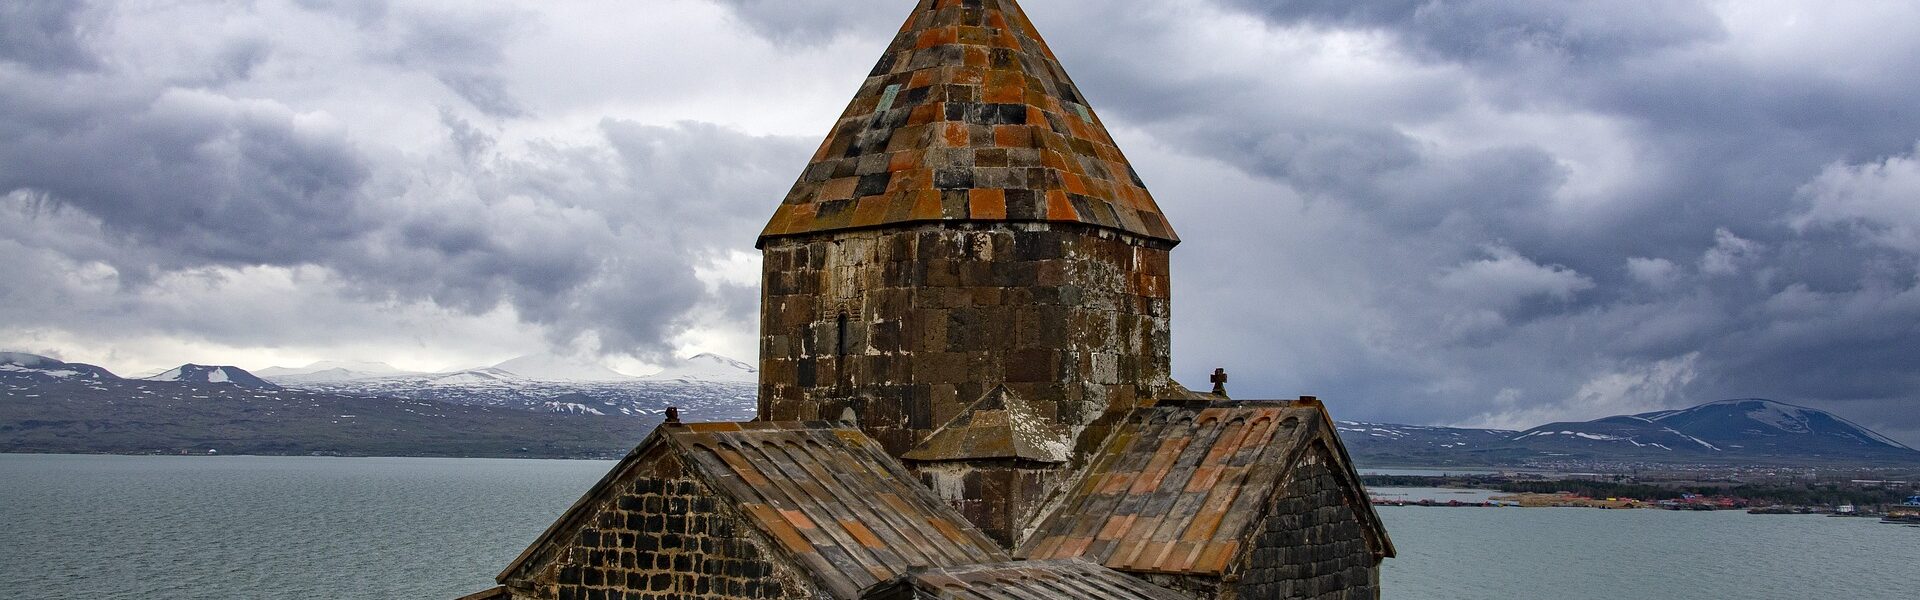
point(1002, 498)
point(908, 326)
point(1312, 545)
point(663, 535)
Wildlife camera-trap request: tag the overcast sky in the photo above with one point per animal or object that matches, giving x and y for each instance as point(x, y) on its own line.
point(1485, 212)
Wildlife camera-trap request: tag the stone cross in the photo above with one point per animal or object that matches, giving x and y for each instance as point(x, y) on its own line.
point(1220, 382)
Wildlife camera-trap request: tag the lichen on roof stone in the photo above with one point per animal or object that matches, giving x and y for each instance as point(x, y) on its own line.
point(1178, 487)
point(968, 117)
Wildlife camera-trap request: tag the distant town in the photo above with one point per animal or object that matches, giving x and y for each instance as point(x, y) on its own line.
point(1892, 494)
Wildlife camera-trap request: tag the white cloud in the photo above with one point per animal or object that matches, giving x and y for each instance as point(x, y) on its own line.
point(1505, 279)
point(1627, 390)
point(1656, 273)
point(1729, 253)
point(1879, 200)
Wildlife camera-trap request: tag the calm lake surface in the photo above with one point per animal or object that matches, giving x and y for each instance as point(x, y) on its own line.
point(164, 528)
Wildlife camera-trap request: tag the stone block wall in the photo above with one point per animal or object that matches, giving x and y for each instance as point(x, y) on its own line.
point(1002, 498)
point(1312, 545)
point(665, 536)
point(908, 326)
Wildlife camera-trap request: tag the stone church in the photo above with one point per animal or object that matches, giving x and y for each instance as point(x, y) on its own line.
point(965, 388)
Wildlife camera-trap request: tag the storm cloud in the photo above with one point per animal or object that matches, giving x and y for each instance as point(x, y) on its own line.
point(1493, 212)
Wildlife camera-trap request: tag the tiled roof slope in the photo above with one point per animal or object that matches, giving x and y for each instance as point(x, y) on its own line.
point(968, 117)
point(1026, 580)
point(999, 425)
point(833, 497)
point(838, 505)
point(1179, 488)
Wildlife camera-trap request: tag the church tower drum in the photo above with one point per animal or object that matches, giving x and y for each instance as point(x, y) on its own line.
point(968, 229)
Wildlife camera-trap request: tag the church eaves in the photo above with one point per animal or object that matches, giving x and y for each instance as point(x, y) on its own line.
point(968, 117)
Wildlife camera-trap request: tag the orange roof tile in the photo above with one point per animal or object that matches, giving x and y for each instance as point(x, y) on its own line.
point(843, 506)
point(1178, 488)
point(968, 95)
point(830, 497)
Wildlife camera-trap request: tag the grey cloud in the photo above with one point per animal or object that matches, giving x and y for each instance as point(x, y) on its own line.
point(1874, 201)
point(588, 240)
point(1507, 30)
point(485, 92)
point(1487, 211)
point(45, 35)
point(1734, 204)
point(159, 182)
point(815, 21)
point(196, 174)
point(463, 50)
point(358, 11)
point(237, 60)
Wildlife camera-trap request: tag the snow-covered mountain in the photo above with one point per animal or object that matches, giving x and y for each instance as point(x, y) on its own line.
point(1758, 424)
point(235, 376)
point(20, 365)
point(1747, 427)
point(1744, 431)
point(1423, 437)
point(549, 367)
point(1634, 431)
point(135, 416)
point(331, 370)
point(706, 387)
point(326, 375)
point(483, 375)
point(708, 367)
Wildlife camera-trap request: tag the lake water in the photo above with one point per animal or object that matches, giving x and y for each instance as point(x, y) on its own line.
point(166, 528)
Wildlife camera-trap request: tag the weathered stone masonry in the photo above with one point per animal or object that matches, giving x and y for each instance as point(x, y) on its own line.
point(909, 327)
point(1312, 545)
point(664, 535)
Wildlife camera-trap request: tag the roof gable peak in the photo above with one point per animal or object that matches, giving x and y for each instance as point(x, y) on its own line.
point(1000, 425)
point(968, 116)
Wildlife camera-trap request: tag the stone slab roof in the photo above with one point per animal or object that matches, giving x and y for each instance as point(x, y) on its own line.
point(830, 497)
point(968, 117)
point(833, 498)
point(999, 425)
point(1180, 487)
point(1027, 580)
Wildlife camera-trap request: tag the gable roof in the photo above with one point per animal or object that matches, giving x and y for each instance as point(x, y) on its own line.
point(968, 117)
point(1028, 580)
point(828, 496)
point(998, 425)
point(1180, 487)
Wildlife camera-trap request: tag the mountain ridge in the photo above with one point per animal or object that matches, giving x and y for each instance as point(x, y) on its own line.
point(709, 387)
point(34, 366)
point(1745, 430)
point(213, 374)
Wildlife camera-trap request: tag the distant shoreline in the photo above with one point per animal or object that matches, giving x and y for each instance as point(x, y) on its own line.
point(583, 458)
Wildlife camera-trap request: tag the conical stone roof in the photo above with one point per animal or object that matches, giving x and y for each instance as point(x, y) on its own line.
point(968, 118)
